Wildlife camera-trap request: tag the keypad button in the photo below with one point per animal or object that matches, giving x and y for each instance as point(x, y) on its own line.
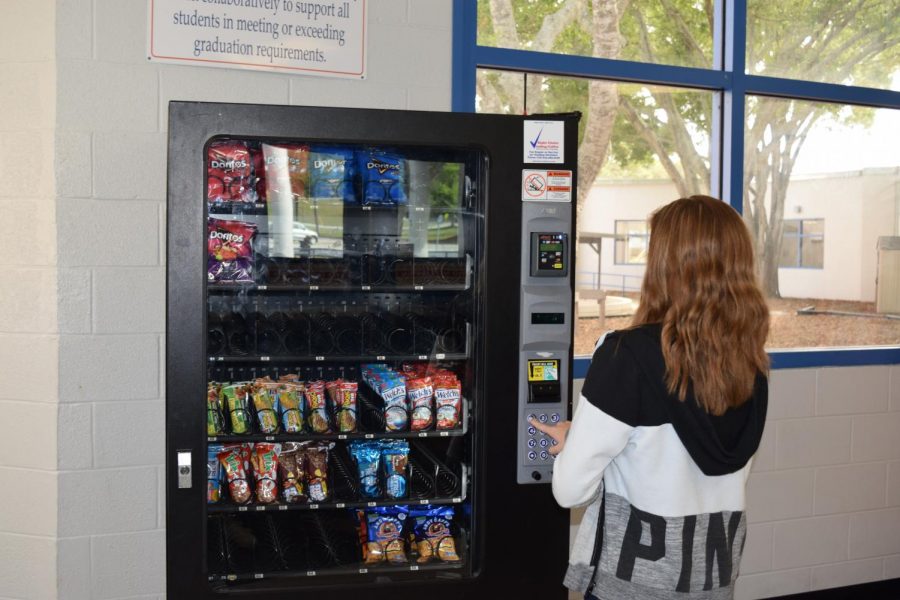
point(554, 418)
point(532, 443)
point(545, 455)
point(532, 431)
point(545, 442)
point(542, 418)
point(532, 417)
point(553, 443)
point(532, 455)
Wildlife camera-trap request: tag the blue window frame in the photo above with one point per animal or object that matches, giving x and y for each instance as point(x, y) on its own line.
point(728, 77)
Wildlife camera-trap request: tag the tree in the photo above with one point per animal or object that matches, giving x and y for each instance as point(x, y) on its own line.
point(839, 40)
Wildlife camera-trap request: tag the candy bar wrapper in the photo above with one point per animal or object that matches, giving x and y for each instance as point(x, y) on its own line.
point(230, 177)
point(317, 409)
point(367, 456)
point(421, 400)
point(343, 398)
point(264, 460)
point(332, 174)
point(395, 458)
point(232, 460)
point(318, 486)
point(230, 250)
point(214, 475)
point(215, 422)
point(290, 407)
point(265, 409)
point(385, 535)
point(383, 177)
point(431, 528)
point(237, 404)
point(292, 464)
point(448, 402)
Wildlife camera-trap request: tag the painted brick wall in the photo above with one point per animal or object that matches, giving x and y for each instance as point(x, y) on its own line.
point(111, 153)
point(28, 323)
point(823, 499)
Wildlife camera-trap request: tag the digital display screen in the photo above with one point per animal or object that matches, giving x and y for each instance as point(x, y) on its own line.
point(548, 318)
point(551, 247)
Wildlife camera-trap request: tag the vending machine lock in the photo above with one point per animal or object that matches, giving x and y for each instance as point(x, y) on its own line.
point(184, 469)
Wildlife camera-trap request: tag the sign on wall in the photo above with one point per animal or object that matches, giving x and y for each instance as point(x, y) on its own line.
point(303, 37)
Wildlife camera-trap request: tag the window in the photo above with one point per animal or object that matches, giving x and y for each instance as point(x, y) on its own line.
point(785, 110)
point(632, 239)
point(802, 243)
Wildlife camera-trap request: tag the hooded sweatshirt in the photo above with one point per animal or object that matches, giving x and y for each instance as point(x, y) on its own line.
point(662, 479)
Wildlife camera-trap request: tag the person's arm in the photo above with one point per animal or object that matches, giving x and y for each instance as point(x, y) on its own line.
point(593, 440)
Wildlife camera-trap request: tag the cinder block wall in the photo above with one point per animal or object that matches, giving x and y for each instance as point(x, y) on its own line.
point(823, 500)
point(28, 325)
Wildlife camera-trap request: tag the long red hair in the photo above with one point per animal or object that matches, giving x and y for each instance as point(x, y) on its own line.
point(701, 285)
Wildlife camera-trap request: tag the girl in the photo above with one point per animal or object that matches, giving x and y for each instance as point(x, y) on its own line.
point(671, 413)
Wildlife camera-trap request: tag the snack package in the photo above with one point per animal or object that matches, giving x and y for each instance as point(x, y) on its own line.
point(316, 407)
point(395, 458)
point(383, 177)
point(230, 250)
point(448, 401)
point(232, 459)
point(213, 475)
point(332, 174)
point(289, 407)
point(237, 405)
point(343, 398)
point(367, 456)
point(317, 471)
point(385, 535)
point(396, 410)
point(431, 528)
point(264, 461)
point(292, 464)
point(230, 173)
point(215, 422)
point(265, 409)
point(421, 402)
point(286, 169)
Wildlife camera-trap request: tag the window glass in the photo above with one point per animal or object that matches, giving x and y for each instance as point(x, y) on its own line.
point(853, 43)
point(499, 92)
point(631, 242)
point(673, 32)
point(822, 201)
point(639, 147)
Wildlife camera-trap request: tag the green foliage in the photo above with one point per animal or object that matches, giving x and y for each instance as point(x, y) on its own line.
point(444, 188)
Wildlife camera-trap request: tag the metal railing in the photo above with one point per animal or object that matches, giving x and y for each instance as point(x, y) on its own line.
point(614, 282)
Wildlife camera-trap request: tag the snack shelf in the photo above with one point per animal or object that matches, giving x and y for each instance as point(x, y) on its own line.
point(276, 507)
point(450, 356)
point(251, 288)
point(247, 547)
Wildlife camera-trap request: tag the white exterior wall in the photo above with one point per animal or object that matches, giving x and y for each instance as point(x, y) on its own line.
point(857, 208)
point(82, 332)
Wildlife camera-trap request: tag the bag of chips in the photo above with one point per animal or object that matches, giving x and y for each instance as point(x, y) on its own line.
point(230, 250)
point(317, 471)
point(421, 400)
point(265, 469)
point(431, 528)
point(385, 539)
point(383, 177)
point(316, 407)
point(233, 462)
point(290, 408)
point(367, 456)
point(265, 409)
point(286, 169)
point(332, 174)
point(237, 404)
point(395, 458)
point(396, 410)
point(213, 475)
point(292, 464)
point(448, 401)
point(230, 173)
point(215, 422)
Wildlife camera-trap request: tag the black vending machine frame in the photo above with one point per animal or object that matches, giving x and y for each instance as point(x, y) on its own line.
point(521, 535)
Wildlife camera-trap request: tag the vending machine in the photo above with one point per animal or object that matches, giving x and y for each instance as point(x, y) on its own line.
point(364, 308)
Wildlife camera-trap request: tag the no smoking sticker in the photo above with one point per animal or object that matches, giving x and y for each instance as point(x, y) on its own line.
point(546, 186)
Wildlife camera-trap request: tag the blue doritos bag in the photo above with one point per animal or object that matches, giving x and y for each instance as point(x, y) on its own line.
point(332, 173)
point(383, 177)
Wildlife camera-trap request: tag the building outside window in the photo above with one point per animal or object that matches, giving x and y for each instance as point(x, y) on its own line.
point(632, 240)
point(802, 244)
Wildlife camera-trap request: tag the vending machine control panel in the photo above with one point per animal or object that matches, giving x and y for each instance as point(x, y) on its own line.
point(545, 334)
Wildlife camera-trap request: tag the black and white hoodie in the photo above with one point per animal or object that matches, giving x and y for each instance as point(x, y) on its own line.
point(663, 480)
